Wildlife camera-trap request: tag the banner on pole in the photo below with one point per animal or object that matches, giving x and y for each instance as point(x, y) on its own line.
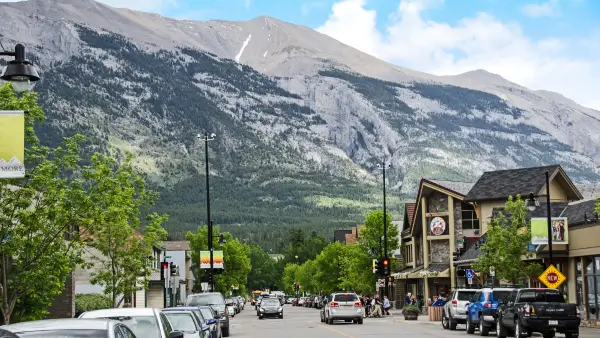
point(12, 144)
point(217, 259)
point(539, 230)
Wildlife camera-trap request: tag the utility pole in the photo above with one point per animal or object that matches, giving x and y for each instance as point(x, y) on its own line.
point(384, 168)
point(549, 217)
point(208, 218)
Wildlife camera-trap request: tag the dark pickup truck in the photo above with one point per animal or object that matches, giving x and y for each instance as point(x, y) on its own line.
point(537, 310)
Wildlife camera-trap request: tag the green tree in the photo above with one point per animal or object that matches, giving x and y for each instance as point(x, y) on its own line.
point(369, 236)
point(116, 197)
point(37, 213)
point(264, 271)
point(305, 276)
point(508, 236)
point(289, 277)
point(359, 272)
point(236, 256)
point(330, 267)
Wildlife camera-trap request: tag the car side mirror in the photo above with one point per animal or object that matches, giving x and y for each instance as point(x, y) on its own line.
point(176, 334)
point(217, 316)
point(211, 321)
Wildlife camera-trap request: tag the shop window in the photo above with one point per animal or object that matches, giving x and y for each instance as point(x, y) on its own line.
point(592, 282)
point(469, 217)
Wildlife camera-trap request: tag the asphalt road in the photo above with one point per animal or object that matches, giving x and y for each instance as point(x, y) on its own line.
point(300, 322)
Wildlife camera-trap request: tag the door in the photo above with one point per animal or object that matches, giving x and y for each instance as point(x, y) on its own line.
point(509, 311)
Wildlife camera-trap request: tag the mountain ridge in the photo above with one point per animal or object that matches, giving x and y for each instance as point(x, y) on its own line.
point(299, 135)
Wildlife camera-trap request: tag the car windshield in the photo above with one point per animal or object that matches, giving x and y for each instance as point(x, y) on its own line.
point(229, 301)
point(181, 321)
point(142, 326)
point(531, 296)
point(465, 295)
point(207, 314)
point(270, 302)
point(81, 333)
point(207, 299)
point(346, 297)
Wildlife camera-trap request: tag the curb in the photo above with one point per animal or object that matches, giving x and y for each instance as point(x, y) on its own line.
point(426, 322)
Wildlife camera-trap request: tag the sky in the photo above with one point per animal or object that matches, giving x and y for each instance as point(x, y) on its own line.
point(541, 44)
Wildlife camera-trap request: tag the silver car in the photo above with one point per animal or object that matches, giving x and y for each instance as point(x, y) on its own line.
point(343, 306)
point(68, 327)
point(144, 322)
point(455, 309)
point(217, 302)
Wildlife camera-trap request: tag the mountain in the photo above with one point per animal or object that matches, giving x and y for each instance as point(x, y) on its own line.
point(301, 119)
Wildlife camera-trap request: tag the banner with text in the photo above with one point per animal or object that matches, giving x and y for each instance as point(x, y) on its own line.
point(217, 259)
point(539, 231)
point(12, 144)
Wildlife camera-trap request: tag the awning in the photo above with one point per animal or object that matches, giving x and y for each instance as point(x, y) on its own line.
point(440, 270)
point(406, 273)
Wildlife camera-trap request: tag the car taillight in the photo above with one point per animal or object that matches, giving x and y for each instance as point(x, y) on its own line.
point(487, 305)
point(528, 310)
point(334, 304)
point(357, 304)
point(454, 302)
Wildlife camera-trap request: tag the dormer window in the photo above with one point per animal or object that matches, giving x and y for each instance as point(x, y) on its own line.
point(469, 217)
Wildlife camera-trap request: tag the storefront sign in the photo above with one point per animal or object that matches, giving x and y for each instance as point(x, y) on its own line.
point(12, 144)
point(437, 226)
point(539, 231)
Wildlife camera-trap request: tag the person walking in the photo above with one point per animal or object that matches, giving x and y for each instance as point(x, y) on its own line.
point(386, 306)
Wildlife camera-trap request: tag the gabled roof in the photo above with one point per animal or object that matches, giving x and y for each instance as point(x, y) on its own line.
point(449, 187)
point(176, 245)
point(498, 185)
point(409, 213)
point(575, 211)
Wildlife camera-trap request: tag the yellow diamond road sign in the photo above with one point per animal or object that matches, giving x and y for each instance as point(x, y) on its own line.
point(552, 278)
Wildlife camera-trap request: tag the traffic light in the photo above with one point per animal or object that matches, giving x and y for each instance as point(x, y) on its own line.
point(390, 279)
point(386, 269)
point(376, 266)
point(163, 268)
point(173, 269)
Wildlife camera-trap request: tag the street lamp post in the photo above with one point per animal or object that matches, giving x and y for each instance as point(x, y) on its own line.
point(384, 168)
point(209, 223)
point(533, 203)
point(19, 71)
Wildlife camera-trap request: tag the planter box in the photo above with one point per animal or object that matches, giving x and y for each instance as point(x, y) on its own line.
point(411, 316)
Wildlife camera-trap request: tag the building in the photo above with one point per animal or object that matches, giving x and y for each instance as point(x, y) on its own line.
point(179, 253)
point(349, 236)
point(153, 296)
point(435, 225)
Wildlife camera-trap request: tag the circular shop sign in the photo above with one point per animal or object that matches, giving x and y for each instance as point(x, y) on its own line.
point(437, 226)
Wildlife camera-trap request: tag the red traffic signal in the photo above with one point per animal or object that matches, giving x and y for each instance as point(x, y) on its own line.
point(164, 266)
point(386, 262)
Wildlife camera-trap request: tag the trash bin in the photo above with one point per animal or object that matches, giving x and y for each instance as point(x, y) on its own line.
point(435, 313)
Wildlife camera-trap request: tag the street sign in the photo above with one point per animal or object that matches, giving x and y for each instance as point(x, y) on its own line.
point(470, 281)
point(492, 271)
point(381, 282)
point(167, 257)
point(469, 273)
point(552, 278)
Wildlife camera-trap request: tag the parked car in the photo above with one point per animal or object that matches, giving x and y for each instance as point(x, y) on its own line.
point(231, 306)
point(483, 309)
point(188, 323)
point(144, 322)
point(217, 302)
point(197, 311)
point(212, 318)
point(455, 309)
point(537, 310)
point(69, 327)
point(343, 306)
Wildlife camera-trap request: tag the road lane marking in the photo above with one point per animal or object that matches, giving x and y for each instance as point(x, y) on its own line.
point(336, 331)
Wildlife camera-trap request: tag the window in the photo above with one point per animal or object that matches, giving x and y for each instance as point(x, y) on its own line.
point(592, 283)
point(469, 217)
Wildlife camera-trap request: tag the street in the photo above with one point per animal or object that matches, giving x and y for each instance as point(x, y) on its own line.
point(301, 322)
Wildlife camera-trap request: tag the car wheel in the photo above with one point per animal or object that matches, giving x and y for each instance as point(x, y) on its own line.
point(452, 324)
point(445, 323)
point(500, 329)
point(483, 330)
point(360, 321)
point(225, 332)
point(518, 330)
point(470, 327)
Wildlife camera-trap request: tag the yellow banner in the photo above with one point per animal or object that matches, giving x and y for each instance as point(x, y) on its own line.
point(12, 144)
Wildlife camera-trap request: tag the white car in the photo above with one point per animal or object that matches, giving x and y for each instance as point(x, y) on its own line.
point(144, 322)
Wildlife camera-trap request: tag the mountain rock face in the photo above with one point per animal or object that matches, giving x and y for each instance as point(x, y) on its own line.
point(301, 119)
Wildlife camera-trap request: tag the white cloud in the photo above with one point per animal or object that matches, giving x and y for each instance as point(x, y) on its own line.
point(478, 42)
point(538, 10)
